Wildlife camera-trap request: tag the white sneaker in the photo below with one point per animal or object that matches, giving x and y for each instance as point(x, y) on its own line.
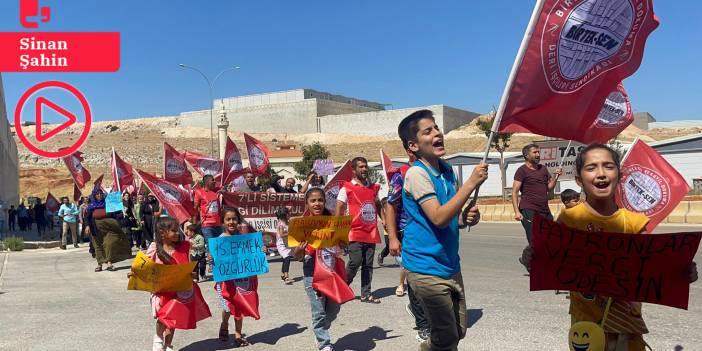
point(328, 348)
point(158, 344)
point(169, 348)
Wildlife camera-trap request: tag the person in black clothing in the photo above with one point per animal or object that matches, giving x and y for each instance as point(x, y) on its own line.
point(40, 218)
point(127, 220)
point(289, 185)
point(148, 217)
point(12, 218)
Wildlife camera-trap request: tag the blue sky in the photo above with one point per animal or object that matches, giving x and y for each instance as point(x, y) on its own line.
point(405, 53)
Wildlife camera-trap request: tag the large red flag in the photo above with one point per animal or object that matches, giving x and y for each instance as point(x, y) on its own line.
point(573, 56)
point(203, 164)
point(258, 155)
point(175, 169)
point(331, 190)
point(241, 296)
point(76, 192)
point(386, 163)
point(98, 184)
point(331, 281)
point(51, 203)
point(233, 167)
point(649, 184)
point(175, 199)
point(80, 175)
point(122, 173)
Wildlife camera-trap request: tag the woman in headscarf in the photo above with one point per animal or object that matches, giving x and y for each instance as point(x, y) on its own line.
point(110, 242)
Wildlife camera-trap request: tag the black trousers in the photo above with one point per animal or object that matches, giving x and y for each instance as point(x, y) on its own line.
point(528, 217)
point(286, 265)
point(361, 256)
point(200, 266)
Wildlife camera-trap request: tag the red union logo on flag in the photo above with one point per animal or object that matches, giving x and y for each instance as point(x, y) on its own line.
point(209, 166)
point(175, 167)
point(644, 190)
point(169, 192)
point(616, 109)
point(584, 39)
point(75, 165)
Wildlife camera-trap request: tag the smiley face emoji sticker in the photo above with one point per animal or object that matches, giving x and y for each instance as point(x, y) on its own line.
point(586, 336)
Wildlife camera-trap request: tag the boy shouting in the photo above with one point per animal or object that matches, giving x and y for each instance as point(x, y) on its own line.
point(432, 202)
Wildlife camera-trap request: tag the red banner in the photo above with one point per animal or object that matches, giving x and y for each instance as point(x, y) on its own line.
point(331, 190)
point(174, 198)
point(649, 184)
point(59, 52)
point(633, 267)
point(386, 163)
point(203, 164)
point(233, 168)
point(258, 155)
point(259, 208)
point(76, 192)
point(122, 173)
point(80, 175)
point(51, 203)
point(175, 169)
point(329, 277)
point(574, 56)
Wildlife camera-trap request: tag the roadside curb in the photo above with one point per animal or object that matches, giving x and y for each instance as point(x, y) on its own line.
point(31, 245)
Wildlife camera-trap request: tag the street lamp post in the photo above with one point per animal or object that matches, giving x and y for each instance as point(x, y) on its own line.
point(210, 85)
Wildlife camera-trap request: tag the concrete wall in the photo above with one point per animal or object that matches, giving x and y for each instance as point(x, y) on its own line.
point(9, 164)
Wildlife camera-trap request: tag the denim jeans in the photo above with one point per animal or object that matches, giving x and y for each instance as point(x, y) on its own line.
point(324, 311)
point(211, 232)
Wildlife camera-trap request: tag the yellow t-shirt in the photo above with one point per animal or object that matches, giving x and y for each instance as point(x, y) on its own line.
point(624, 316)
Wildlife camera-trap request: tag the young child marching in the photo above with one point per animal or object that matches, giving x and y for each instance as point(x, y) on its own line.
point(281, 244)
point(173, 310)
point(325, 302)
point(238, 297)
point(597, 173)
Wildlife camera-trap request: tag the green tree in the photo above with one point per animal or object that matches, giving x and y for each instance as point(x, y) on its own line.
point(310, 153)
point(376, 176)
point(500, 142)
point(265, 181)
point(617, 146)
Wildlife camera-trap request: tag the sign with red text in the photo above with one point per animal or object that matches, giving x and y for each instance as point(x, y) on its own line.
point(259, 208)
point(649, 268)
point(555, 151)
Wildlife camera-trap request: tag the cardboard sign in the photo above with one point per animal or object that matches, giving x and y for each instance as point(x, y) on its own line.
point(553, 151)
point(238, 256)
point(153, 277)
point(113, 202)
point(633, 267)
point(319, 231)
point(323, 167)
point(259, 208)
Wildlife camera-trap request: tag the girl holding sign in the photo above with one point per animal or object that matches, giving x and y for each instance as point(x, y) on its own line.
point(173, 310)
point(320, 263)
point(598, 173)
point(238, 297)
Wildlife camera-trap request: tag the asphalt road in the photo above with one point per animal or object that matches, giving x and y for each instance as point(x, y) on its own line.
point(52, 300)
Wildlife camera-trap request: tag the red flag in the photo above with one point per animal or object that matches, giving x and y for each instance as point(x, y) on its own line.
point(614, 117)
point(331, 281)
point(175, 199)
point(241, 296)
point(258, 155)
point(233, 167)
point(203, 164)
point(98, 183)
point(51, 203)
point(573, 56)
point(331, 190)
point(386, 163)
point(80, 175)
point(122, 173)
point(649, 184)
point(175, 169)
point(76, 192)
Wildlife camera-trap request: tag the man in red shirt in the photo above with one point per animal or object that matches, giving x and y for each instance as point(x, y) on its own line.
point(359, 198)
point(207, 206)
point(534, 182)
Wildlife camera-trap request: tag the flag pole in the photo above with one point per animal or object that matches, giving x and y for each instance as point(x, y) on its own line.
point(629, 151)
point(114, 169)
point(560, 165)
point(510, 81)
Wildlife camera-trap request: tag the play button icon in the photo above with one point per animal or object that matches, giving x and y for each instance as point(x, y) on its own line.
point(41, 102)
point(43, 105)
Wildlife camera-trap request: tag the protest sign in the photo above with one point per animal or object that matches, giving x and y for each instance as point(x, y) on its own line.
point(113, 202)
point(319, 231)
point(151, 276)
point(323, 167)
point(553, 151)
point(259, 208)
point(238, 256)
point(633, 267)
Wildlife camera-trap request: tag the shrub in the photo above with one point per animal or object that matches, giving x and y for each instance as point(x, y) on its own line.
point(14, 243)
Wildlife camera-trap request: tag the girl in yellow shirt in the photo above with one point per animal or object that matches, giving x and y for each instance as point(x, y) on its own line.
point(597, 173)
